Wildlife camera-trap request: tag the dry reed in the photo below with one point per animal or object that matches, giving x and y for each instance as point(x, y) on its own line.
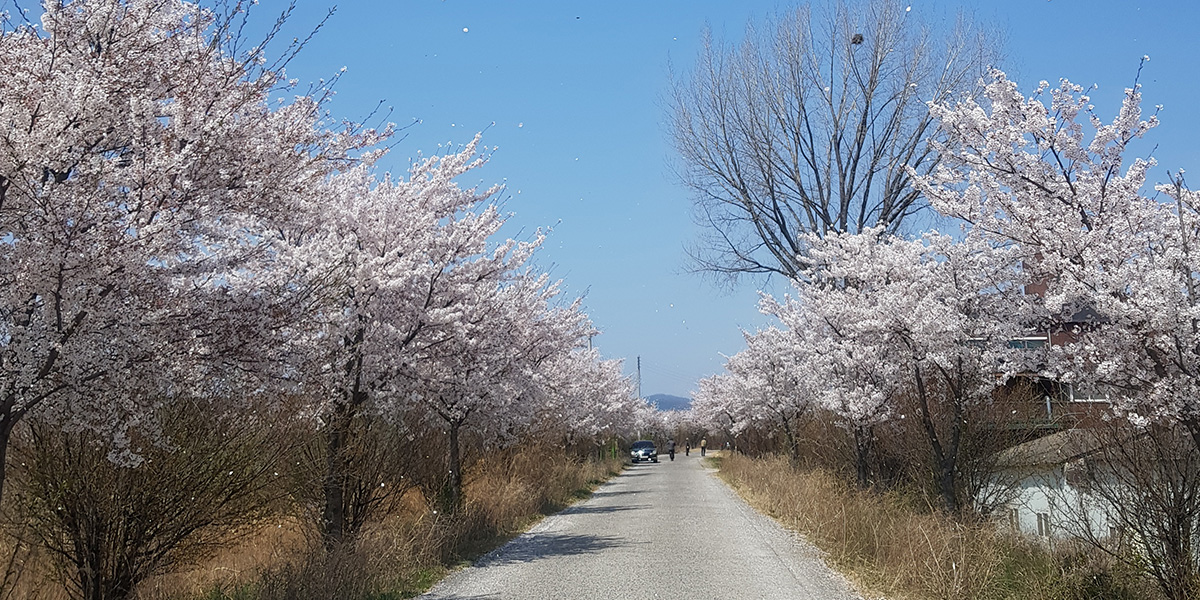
point(411, 548)
point(894, 545)
point(399, 556)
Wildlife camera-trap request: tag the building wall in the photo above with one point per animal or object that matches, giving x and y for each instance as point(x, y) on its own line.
point(1047, 505)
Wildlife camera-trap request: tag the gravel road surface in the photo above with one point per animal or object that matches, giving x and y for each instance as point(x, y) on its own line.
point(665, 530)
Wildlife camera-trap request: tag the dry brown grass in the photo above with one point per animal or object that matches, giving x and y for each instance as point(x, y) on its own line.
point(890, 544)
point(27, 573)
point(509, 487)
point(405, 553)
point(399, 556)
point(273, 543)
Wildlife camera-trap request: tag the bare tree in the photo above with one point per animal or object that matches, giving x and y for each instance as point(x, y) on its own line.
point(811, 127)
point(211, 476)
point(1138, 500)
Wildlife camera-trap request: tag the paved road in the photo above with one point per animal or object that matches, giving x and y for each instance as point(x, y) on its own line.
point(666, 530)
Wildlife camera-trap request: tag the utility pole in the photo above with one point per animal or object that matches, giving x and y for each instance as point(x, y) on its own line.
point(639, 365)
point(639, 377)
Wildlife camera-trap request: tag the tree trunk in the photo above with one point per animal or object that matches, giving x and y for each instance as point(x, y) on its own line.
point(793, 443)
point(453, 496)
point(948, 484)
point(6, 427)
point(338, 462)
point(1178, 554)
point(862, 454)
point(946, 461)
point(333, 517)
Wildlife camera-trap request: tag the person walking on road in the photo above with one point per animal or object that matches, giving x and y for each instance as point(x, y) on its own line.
point(687, 448)
point(671, 448)
point(703, 446)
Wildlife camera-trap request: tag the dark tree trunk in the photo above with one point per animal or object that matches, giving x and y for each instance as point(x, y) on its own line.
point(862, 456)
point(333, 517)
point(453, 496)
point(946, 459)
point(792, 441)
point(339, 438)
point(7, 422)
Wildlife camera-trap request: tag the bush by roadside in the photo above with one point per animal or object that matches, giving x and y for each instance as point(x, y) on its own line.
point(398, 557)
point(415, 547)
point(896, 545)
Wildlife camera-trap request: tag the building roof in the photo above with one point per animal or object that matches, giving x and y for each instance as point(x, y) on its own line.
point(1053, 449)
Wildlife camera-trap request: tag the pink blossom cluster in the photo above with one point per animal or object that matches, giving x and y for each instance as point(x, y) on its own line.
point(170, 228)
point(1061, 238)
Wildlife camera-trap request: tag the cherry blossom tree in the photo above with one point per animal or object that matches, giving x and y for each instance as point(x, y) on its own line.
point(763, 388)
point(851, 377)
point(1116, 264)
point(382, 270)
point(415, 310)
point(488, 376)
point(409, 311)
point(139, 158)
point(589, 397)
point(716, 404)
point(1115, 273)
point(923, 319)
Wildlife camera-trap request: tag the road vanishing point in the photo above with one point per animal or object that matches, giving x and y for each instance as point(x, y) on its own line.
point(666, 530)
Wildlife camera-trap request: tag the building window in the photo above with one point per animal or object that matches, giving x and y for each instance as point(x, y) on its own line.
point(1014, 519)
point(1043, 524)
point(1028, 343)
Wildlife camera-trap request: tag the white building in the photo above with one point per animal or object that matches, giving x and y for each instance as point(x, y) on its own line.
point(1048, 483)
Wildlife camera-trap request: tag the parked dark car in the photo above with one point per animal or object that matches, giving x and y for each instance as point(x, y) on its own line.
point(643, 450)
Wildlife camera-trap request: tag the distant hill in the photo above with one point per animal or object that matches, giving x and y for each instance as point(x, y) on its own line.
point(669, 402)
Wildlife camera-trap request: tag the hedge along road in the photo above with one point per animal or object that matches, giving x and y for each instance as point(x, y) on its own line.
point(665, 530)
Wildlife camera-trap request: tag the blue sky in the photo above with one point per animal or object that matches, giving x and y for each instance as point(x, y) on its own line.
point(572, 96)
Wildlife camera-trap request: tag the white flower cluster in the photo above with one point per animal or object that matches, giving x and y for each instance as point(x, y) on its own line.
point(170, 228)
point(1061, 241)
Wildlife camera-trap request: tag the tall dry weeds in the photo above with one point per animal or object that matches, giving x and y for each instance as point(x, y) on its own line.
point(26, 571)
point(895, 545)
point(405, 552)
point(397, 555)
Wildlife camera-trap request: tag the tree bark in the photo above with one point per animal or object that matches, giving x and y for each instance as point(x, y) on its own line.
point(338, 462)
point(6, 427)
point(792, 440)
point(333, 517)
point(454, 492)
point(862, 452)
point(947, 462)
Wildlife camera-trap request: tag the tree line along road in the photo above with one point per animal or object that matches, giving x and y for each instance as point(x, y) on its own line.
point(665, 530)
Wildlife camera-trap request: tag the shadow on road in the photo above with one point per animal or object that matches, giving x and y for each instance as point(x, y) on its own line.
point(596, 510)
point(616, 493)
point(544, 545)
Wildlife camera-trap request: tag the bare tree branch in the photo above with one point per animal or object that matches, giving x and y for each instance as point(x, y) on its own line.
point(809, 128)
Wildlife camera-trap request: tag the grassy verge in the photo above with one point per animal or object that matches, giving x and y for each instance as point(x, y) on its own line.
point(400, 557)
point(891, 545)
point(410, 552)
